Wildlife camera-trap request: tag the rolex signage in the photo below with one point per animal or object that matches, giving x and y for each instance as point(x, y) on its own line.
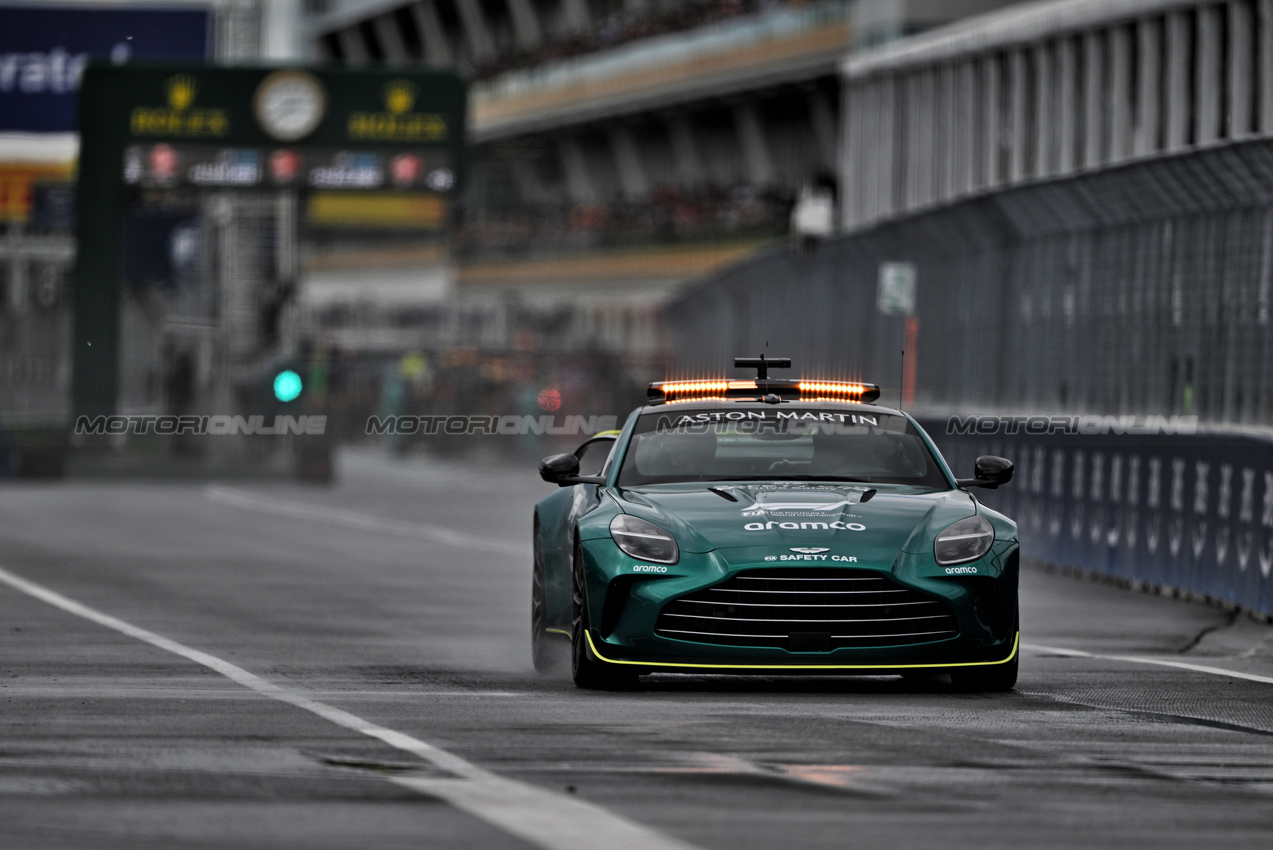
point(179, 118)
point(361, 147)
point(398, 122)
point(318, 129)
point(270, 107)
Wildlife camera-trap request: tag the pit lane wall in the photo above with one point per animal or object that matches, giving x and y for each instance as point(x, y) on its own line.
point(1189, 512)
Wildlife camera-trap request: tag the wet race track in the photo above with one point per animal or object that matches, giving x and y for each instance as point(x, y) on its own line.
point(269, 665)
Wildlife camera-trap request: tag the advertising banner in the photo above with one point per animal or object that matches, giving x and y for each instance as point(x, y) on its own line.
point(43, 51)
point(1145, 502)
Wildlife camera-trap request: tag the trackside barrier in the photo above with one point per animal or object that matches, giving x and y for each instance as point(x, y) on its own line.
point(1189, 513)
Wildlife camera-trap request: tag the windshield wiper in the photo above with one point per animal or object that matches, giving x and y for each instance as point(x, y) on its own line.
point(724, 494)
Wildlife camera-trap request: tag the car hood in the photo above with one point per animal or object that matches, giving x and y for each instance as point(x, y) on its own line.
point(872, 523)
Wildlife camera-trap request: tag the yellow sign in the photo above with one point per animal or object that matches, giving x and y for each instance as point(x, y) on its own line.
point(178, 119)
point(379, 209)
point(397, 123)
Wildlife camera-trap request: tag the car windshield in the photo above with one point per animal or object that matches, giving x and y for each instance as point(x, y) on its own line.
point(804, 444)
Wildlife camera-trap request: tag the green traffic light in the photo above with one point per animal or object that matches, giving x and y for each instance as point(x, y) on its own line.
point(287, 385)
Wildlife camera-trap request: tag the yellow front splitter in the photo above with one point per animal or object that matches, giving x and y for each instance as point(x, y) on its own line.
point(1016, 643)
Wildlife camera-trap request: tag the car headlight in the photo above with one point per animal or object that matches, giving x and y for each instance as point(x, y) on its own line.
point(643, 540)
point(966, 540)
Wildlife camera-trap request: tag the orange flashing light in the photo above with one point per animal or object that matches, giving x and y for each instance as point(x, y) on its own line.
point(671, 388)
point(831, 388)
point(697, 398)
point(671, 392)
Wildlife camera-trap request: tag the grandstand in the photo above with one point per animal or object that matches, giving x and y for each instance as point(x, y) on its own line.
point(602, 124)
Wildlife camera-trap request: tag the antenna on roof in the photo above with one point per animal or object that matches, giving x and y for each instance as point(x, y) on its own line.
point(762, 365)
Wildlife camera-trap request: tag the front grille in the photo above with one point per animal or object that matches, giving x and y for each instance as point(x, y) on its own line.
point(808, 610)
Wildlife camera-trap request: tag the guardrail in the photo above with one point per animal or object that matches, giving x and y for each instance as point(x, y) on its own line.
point(1187, 513)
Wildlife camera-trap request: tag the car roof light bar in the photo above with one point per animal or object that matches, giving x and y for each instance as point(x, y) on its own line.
point(667, 392)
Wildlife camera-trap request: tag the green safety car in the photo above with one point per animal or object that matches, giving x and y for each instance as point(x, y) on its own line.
point(767, 526)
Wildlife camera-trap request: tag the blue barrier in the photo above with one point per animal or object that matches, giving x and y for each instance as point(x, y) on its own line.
point(1191, 513)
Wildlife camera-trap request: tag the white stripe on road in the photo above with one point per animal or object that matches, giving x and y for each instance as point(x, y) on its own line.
point(396, 694)
point(541, 817)
point(1141, 659)
point(363, 522)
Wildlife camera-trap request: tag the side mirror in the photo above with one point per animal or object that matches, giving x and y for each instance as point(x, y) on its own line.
point(563, 470)
point(555, 467)
point(989, 472)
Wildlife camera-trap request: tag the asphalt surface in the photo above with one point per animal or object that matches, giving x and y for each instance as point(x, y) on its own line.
point(276, 666)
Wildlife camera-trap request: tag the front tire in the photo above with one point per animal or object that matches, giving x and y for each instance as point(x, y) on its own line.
point(586, 671)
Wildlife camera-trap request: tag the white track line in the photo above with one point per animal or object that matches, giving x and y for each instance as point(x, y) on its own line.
point(1140, 659)
point(364, 522)
point(540, 817)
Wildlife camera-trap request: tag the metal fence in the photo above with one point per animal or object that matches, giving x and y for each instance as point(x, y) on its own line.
point(1142, 289)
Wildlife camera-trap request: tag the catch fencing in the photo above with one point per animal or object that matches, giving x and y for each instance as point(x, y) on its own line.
point(1141, 289)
